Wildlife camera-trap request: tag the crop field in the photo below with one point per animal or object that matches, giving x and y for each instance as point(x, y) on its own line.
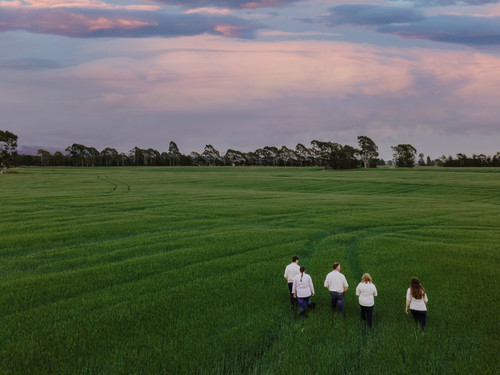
point(180, 270)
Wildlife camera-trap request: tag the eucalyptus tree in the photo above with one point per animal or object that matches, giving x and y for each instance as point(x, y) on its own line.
point(327, 153)
point(78, 154)
point(8, 146)
point(404, 155)
point(346, 157)
point(59, 159)
point(173, 153)
point(92, 156)
point(45, 157)
point(421, 161)
point(271, 155)
point(153, 157)
point(234, 157)
point(110, 156)
point(196, 158)
point(303, 154)
point(286, 156)
point(368, 151)
point(211, 155)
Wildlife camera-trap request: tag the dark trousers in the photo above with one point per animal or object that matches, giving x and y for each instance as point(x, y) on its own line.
point(367, 314)
point(420, 317)
point(338, 300)
point(293, 301)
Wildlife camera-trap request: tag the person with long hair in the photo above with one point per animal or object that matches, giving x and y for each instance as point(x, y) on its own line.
point(416, 300)
point(366, 291)
point(303, 290)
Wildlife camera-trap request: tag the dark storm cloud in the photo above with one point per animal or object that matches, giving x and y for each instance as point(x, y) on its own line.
point(81, 23)
point(232, 4)
point(412, 24)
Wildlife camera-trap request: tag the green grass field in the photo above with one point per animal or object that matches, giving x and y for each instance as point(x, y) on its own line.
point(180, 270)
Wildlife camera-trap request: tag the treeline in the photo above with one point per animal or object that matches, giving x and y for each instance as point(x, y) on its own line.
point(330, 155)
point(462, 160)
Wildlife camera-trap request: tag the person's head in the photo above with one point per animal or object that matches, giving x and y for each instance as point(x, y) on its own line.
point(416, 289)
point(295, 259)
point(366, 278)
point(336, 266)
point(302, 269)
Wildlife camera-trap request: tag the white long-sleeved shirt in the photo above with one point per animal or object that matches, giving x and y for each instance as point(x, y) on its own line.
point(366, 293)
point(303, 285)
point(417, 304)
point(292, 270)
point(336, 282)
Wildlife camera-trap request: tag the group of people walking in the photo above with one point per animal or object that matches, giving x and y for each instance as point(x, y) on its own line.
point(301, 290)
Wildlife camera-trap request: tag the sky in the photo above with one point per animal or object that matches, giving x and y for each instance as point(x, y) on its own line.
point(244, 74)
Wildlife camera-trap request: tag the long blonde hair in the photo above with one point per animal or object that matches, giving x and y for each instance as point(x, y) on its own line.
point(366, 278)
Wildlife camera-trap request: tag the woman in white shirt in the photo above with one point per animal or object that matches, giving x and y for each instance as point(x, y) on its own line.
point(366, 292)
point(416, 300)
point(303, 289)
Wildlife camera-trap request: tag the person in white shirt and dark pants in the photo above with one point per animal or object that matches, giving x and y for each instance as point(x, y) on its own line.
point(303, 290)
point(291, 271)
point(416, 300)
point(336, 283)
point(366, 292)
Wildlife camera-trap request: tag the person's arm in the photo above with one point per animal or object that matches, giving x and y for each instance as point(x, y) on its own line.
point(326, 283)
point(407, 305)
point(311, 286)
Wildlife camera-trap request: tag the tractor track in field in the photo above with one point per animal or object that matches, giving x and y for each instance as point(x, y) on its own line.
point(115, 183)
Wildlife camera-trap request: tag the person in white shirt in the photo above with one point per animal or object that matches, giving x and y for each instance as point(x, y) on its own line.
point(291, 271)
point(366, 292)
point(303, 289)
point(336, 283)
point(416, 300)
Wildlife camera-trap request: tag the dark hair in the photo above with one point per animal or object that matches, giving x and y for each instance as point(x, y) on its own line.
point(294, 258)
point(302, 269)
point(416, 289)
point(335, 265)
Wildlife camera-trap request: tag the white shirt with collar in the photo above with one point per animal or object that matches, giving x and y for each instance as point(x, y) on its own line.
point(303, 286)
point(336, 282)
point(292, 270)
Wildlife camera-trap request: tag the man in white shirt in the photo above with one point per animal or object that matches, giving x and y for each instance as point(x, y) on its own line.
point(336, 283)
point(291, 271)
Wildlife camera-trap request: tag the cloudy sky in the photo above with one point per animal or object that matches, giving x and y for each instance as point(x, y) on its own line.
point(245, 74)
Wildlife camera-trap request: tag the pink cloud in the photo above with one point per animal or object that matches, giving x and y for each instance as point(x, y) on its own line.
point(80, 4)
point(82, 23)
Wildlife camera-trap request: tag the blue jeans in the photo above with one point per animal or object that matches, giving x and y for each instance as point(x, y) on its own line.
point(303, 302)
point(338, 299)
